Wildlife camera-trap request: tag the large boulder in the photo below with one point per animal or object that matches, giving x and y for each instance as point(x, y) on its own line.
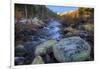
point(45, 47)
point(72, 49)
point(38, 60)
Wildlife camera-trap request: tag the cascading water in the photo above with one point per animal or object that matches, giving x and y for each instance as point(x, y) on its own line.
point(54, 30)
point(51, 31)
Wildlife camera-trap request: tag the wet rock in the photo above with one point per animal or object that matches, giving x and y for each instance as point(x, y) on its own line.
point(72, 49)
point(37, 22)
point(69, 29)
point(30, 46)
point(18, 42)
point(19, 60)
point(20, 50)
point(86, 27)
point(45, 47)
point(38, 60)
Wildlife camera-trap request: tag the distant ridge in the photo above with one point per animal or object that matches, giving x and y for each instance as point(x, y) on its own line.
point(67, 12)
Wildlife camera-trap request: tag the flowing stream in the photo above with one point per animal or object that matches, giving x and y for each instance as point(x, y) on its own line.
point(52, 30)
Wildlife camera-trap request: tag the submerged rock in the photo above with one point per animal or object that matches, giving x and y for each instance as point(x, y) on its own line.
point(38, 60)
point(45, 47)
point(72, 49)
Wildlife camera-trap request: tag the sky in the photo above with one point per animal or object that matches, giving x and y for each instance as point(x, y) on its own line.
point(59, 9)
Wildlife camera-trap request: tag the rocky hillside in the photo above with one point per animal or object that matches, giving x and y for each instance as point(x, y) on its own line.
point(81, 15)
point(31, 11)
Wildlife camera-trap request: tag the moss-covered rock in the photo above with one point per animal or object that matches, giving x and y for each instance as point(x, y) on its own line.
point(45, 47)
point(38, 60)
